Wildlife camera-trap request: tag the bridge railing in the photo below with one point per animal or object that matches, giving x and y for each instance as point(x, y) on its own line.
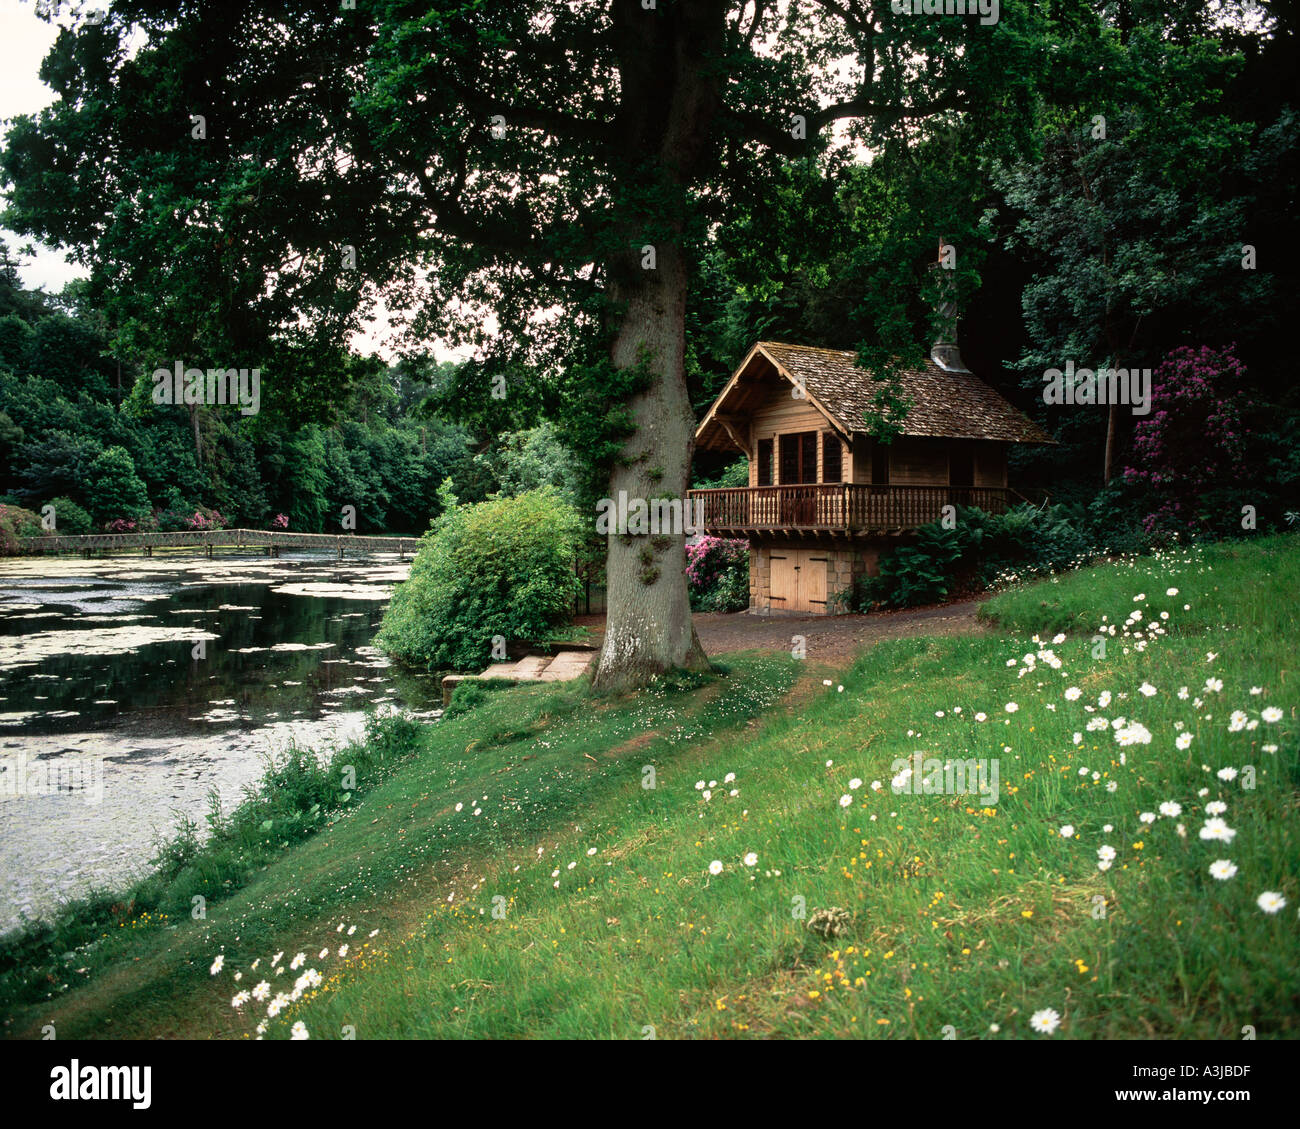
point(217, 538)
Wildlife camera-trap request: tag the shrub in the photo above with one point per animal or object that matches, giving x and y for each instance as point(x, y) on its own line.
point(173, 517)
point(1192, 450)
point(181, 516)
point(501, 567)
point(113, 489)
point(979, 550)
point(16, 522)
point(732, 475)
point(204, 518)
point(70, 519)
point(717, 574)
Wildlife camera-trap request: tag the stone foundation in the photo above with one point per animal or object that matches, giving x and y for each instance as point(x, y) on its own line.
point(844, 563)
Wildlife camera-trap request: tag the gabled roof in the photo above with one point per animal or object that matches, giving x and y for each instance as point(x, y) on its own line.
point(947, 403)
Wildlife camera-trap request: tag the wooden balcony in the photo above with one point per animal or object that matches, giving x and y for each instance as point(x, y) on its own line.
point(837, 509)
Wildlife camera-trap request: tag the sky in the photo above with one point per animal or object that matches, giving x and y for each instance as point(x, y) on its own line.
point(24, 42)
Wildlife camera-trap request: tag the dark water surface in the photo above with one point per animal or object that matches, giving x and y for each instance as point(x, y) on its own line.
point(131, 687)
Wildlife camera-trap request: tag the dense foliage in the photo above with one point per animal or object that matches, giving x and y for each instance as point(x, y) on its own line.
point(973, 551)
point(499, 570)
point(16, 522)
point(78, 430)
point(1118, 183)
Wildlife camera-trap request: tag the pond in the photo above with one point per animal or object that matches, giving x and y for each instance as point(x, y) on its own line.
point(133, 688)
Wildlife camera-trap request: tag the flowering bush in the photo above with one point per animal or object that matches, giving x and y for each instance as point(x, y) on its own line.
point(131, 525)
point(280, 521)
point(1193, 445)
point(717, 574)
point(15, 523)
point(203, 518)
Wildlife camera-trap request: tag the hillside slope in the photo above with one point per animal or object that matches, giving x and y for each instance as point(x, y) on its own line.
point(551, 866)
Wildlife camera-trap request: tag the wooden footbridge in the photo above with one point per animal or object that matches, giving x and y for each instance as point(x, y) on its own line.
point(272, 541)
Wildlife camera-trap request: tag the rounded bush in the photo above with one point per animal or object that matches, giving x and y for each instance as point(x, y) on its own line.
point(501, 568)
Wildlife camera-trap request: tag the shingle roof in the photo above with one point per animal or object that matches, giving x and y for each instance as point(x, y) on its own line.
point(946, 403)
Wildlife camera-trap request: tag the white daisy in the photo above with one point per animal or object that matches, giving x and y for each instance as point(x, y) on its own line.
point(1216, 829)
point(1045, 1021)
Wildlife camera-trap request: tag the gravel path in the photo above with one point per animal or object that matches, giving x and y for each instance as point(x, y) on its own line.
point(830, 639)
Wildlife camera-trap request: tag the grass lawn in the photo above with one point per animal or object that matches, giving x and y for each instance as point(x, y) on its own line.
point(549, 865)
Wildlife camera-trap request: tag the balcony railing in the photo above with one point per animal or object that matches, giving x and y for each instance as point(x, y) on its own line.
point(839, 507)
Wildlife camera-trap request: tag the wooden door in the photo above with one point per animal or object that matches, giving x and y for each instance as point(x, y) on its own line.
point(961, 473)
point(797, 580)
point(783, 579)
point(812, 580)
point(798, 455)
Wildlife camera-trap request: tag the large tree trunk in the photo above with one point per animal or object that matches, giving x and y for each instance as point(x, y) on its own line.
point(648, 628)
point(1109, 458)
point(668, 105)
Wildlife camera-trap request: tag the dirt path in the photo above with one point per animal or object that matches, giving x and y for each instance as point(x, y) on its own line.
point(835, 639)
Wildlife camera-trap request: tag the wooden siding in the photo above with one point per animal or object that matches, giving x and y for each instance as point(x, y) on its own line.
point(918, 462)
point(913, 461)
point(990, 464)
point(779, 414)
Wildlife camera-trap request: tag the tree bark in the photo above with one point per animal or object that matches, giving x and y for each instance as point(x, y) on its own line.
point(668, 109)
point(648, 628)
point(1110, 443)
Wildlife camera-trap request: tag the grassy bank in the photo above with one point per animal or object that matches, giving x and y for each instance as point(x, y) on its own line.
point(524, 880)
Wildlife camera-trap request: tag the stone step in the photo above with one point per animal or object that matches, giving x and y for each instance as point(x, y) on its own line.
point(562, 667)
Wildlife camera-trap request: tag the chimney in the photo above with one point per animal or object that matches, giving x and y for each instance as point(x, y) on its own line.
point(944, 351)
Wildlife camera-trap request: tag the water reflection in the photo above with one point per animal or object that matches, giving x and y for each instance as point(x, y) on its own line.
point(177, 676)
